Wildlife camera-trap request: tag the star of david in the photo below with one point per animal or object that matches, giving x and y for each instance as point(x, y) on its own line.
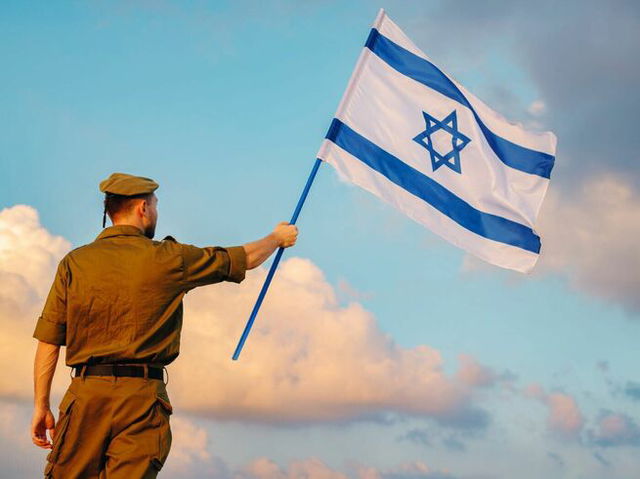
point(458, 141)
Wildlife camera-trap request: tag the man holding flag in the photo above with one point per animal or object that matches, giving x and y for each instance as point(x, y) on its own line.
point(116, 304)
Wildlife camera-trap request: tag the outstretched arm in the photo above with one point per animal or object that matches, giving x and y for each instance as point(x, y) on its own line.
point(283, 236)
point(44, 368)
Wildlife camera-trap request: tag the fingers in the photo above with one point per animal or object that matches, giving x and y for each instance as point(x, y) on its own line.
point(287, 234)
point(41, 422)
point(40, 440)
point(292, 236)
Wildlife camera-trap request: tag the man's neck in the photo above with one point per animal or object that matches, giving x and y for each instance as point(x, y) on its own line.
point(129, 223)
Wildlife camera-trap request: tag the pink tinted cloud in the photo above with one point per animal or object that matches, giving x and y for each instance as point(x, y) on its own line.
point(615, 429)
point(474, 374)
point(564, 416)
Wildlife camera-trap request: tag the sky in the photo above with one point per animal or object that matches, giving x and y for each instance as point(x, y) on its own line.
point(381, 351)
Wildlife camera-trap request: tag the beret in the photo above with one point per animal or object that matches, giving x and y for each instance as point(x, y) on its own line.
point(127, 185)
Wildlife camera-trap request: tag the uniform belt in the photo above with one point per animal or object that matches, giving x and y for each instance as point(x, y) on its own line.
point(120, 370)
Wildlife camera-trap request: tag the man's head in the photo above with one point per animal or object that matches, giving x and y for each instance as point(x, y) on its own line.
point(137, 210)
point(131, 200)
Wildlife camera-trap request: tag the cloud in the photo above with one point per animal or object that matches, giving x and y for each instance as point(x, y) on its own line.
point(473, 373)
point(589, 238)
point(592, 239)
point(309, 357)
point(632, 390)
point(556, 458)
point(315, 468)
point(190, 446)
point(525, 60)
point(29, 255)
point(579, 70)
point(312, 468)
point(564, 416)
point(615, 429)
point(409, 470)
point(418, 436)
point(537, 108)
point(191, 456)
point(451, 440)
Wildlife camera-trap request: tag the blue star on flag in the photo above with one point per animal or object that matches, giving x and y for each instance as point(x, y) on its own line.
point(458, 141)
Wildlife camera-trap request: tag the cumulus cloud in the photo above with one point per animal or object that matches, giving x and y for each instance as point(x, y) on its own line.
point(591, 237)
point(309, 358)
point(472, 373)
point(615, 429)
point(564, 416)
point(29, 255)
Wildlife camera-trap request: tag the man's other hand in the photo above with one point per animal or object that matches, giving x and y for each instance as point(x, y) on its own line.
point(42, 421)
point(286, 234)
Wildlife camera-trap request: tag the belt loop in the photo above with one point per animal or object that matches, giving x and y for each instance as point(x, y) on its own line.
point(164, 368)
point(83, 372)
point(146, 372)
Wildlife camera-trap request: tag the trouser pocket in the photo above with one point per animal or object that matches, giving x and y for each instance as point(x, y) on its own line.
point(163, 410)
point(61, 428)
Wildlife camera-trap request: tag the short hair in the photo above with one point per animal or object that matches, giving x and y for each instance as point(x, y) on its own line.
point(116, 204)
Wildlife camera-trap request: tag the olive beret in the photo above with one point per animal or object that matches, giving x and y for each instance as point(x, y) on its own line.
point(128, 185)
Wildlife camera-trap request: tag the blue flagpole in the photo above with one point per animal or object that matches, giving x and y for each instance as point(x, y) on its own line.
point(274, 265)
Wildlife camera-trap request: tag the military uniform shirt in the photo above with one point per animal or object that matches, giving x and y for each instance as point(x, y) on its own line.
point(119, 298)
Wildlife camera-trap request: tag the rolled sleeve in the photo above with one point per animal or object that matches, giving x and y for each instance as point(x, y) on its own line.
point(213, 264)
point(52, 323)
point(238, 266)
point(50, 332)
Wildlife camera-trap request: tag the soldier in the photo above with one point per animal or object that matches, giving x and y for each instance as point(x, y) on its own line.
point(116, 304)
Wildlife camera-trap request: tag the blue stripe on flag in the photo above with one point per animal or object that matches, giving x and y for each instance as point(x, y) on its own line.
point(484, 224)
point(425, 72)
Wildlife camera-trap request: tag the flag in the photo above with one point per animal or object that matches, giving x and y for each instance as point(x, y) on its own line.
point(410, 134)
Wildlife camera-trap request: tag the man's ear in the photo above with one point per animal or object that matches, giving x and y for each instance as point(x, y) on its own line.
point(142, 207)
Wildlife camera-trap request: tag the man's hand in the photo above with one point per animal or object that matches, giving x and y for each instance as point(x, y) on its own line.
point(42, 421)
point(286, 234)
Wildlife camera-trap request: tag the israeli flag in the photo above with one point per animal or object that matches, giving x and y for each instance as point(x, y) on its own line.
point(410, 134)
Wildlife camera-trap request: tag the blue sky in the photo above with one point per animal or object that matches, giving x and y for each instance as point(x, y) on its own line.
point(226, 103)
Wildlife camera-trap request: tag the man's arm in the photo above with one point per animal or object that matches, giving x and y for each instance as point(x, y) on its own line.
point(283, 236)
point(44, 368)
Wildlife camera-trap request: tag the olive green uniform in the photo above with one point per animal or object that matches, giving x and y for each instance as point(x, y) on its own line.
point(119, 300)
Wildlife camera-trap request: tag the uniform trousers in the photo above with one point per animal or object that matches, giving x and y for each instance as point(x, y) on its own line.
point(111, 428)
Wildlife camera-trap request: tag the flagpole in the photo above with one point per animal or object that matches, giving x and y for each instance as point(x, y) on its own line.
point(274, 265)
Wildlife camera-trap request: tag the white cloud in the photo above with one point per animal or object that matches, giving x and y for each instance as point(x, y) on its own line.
point(592, 238)
point(29, 255)
point(309, 357)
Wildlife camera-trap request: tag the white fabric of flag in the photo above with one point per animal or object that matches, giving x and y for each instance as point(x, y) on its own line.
point(410, 134)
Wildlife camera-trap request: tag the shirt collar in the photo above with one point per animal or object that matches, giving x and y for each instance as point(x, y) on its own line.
point(120, 230)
